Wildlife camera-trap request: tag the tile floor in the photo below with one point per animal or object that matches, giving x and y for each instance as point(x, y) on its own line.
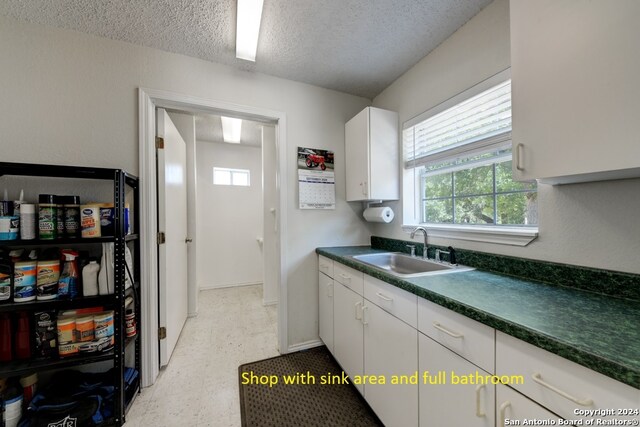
point(199, 387)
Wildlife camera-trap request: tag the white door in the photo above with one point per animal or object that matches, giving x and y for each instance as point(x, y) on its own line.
point(270, 248)
point(348, 338)
point(513, 406)
point(466, 405)
point(391, 348)
point(325, 310)
point(172, 220)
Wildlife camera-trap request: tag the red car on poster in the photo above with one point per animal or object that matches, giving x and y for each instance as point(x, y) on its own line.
point(312, 159)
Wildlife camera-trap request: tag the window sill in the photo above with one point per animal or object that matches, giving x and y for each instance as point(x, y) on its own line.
point(514, 236)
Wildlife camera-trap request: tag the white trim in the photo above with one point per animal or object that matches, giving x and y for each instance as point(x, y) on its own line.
point(148, 100)
point(227, 285)
point(515, 236)
point(305, 345)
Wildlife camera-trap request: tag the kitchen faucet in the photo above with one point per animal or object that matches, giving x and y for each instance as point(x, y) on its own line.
point(426, 247)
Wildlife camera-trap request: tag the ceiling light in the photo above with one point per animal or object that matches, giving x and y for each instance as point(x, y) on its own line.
point(248, 28)
point(231, 129)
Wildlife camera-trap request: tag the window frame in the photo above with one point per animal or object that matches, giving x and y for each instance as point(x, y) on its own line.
point(231, 172)
point(413, 186)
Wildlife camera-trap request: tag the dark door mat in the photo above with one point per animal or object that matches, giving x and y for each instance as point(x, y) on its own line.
point(301, 405)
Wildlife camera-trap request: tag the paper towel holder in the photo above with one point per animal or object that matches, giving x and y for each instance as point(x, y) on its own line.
point(367, 204)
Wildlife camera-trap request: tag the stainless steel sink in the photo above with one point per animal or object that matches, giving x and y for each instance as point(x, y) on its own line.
point(403, 265)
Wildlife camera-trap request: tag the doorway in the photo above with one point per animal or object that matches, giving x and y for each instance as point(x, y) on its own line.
point(149, 100)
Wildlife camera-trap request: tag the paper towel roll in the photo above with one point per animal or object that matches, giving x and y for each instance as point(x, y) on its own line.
point(378, 214)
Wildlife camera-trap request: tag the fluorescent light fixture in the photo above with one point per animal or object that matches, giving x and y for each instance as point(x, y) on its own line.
point(231, 129)
point(248, 28)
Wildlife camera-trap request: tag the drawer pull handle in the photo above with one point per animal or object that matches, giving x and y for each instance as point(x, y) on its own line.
point(479, 412)
point(329, 290)
point(364, 315)
point(503, 410)
point(519, 162)
point(358, 312)
point(441, 328)
point(345, 277)
point(383, 296)
point(582, 402)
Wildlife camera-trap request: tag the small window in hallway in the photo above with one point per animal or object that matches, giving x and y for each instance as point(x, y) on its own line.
point(226, 176)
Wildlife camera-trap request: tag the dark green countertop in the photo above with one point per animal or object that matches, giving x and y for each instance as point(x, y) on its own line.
point(593, 330)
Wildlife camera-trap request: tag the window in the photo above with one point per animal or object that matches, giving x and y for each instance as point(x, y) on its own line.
point(459, 158)
point(237, 177)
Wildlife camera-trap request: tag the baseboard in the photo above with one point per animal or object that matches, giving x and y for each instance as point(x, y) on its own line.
point(229, 285)
point(304, 345)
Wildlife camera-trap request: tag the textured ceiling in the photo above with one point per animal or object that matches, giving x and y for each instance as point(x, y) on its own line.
point(353, 46)
point(209, 129)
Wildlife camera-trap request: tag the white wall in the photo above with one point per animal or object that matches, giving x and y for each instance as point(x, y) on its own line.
point(230, 217)
point(186, 125)
point(71, 98)
point(584, 224)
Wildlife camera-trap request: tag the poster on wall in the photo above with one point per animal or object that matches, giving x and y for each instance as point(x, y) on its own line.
point(316, 179)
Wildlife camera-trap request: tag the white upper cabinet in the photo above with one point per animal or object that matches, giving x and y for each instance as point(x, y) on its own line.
point(575, 68)
point(371, 151)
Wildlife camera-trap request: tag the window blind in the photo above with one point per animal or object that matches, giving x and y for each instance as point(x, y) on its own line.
point(480, 123)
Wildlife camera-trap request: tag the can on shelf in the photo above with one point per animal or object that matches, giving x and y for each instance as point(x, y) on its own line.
point(47, 217)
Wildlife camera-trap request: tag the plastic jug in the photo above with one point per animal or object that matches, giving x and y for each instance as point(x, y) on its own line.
point(90, 279)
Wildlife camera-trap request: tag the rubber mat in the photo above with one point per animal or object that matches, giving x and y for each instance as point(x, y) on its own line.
point(316, 395)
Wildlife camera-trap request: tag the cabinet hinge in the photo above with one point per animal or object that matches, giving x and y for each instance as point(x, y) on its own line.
point(161, 237)
point(162, 333)
point(159, 142)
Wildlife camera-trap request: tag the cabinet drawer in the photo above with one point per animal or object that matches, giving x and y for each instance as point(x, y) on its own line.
point(470, 339)
point(352, 279)
point(325, 265)
point(559, 384)
point(393, 300)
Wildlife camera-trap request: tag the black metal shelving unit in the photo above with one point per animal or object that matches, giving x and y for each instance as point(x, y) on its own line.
point(115, 302)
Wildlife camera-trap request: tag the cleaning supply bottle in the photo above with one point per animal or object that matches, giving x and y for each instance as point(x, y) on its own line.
point(6, 353)
point(23, 337)
point(90, 279)
point(5, 279)
point(68, 282)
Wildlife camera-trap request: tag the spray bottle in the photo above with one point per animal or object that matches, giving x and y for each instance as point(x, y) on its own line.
point(68, 282)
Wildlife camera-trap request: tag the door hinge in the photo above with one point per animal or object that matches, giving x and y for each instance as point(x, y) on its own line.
point(159, 142)
point(161, 237)
point(162, 333)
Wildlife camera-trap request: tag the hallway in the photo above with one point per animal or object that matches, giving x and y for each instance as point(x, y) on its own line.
point(199, 387)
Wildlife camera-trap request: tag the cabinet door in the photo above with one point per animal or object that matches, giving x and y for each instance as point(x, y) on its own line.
point(357, 156)
point(325, 310)
point(348, 341)
point(384, 167)
point(512, 406)
point(575, 91)
point(450, 404)
point(390, 348)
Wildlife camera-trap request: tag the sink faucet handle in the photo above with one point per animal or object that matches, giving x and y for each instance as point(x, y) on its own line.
point(452, 256)
point(412, 248)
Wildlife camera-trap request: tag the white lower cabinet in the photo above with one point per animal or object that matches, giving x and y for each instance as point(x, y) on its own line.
point(325, 310)
point(360, 322)
point(445, 403)
point(513, 408)
point(559, 384)
point(391, 349)
point(348, 337)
